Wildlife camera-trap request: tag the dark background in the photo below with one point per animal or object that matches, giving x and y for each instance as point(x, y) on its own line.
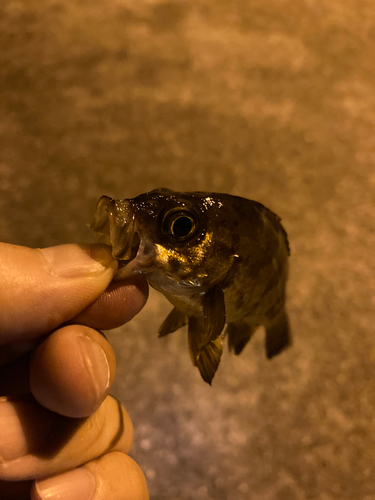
point(271, 100)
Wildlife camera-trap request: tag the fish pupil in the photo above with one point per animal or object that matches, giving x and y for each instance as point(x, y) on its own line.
point(182, 226)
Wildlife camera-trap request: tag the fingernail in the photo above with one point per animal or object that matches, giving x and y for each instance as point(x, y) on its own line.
point(97, 367)
point(78, 484)
point(74, 261)
point(24, 428)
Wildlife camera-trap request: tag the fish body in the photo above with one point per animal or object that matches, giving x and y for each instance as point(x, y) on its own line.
point(221, 260)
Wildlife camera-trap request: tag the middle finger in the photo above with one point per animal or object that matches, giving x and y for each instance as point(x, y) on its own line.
point(67, 443)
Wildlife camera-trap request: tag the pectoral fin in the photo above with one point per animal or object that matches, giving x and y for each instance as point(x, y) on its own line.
point(205, 342)
point(205, 356)
point(175, 320)
point(213, 313)
point(239, 335)
point(209, 359)
point(278, 335)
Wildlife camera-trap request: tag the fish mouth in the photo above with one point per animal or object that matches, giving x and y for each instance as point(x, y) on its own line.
point(139, 261)
point(115, 223)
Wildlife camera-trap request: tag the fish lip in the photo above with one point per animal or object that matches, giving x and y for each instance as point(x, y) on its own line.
point(170, 286)
point(115, 223)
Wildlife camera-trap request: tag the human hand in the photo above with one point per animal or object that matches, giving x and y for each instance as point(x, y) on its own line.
point(61, 435)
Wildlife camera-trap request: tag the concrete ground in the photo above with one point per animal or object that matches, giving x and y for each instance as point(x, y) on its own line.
point(271, 100)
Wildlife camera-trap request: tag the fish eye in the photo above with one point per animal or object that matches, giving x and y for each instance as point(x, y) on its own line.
point(180, 224)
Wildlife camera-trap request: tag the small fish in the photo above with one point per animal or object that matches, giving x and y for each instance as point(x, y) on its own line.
point(221, 260)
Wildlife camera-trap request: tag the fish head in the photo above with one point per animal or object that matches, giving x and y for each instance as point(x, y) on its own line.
point(180, 241)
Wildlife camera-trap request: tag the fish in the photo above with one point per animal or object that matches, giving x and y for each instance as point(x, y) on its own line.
point(221, 261)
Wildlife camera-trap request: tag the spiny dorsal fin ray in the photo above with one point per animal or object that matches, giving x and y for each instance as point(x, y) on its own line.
point(175, 320)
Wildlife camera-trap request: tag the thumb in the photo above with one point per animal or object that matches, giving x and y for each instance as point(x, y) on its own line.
point(43, 288)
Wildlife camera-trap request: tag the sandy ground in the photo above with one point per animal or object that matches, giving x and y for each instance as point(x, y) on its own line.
point(271, 100)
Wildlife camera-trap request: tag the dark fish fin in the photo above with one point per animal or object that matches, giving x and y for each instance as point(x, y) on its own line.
point(278, 335)
point(175, 320)
point(195, 334)
point(206, 356)
point(239, 335)
point(209, 359)
point(213, 313)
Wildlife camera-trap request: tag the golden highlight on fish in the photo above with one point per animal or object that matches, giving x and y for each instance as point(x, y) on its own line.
point(221, 260)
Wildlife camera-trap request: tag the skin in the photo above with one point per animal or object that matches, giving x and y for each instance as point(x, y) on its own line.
point(55, 397)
